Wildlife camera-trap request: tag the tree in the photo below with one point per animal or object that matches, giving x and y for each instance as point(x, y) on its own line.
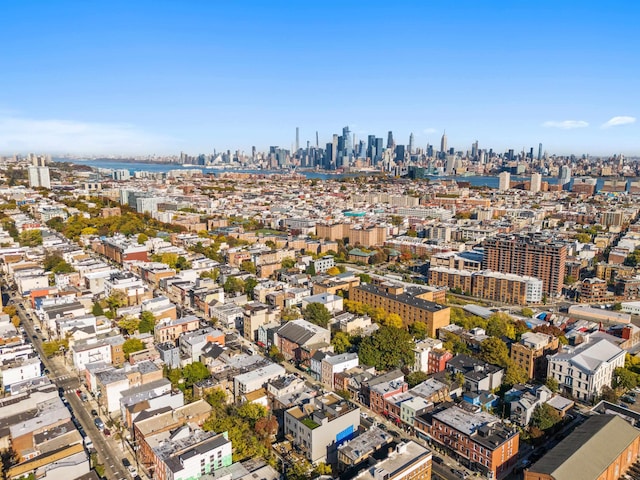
point(248, 266)
point(275, 355)
point(393, 320)
point(195, 372)
point(419, 330)
point(288, 263)
point(129, 324)
point(608, 394)
point(52, 348)
point(515, 374)
point(625, 378)
point(249, 284)
point(387, 348)
point(97, 309)
point(501, 325)
point(182, 263)
point(132, 345)
point(317, 313)
point(616, 307)
point(552, 384)
point(15, 321)
point(289, 313)
point(344, 394)
point(341, 342)
point(212, 274)
point(454, 344)
point(527, 312)
point(142, 238)
point(415, 378)
point(116, 300)
point(233, 285)
point(545, 417)
point(252, 412)
point(495, 351)
point(147, 322)
point(333, 271)
point(321, 469)
point(30, 238)
point(266, 427)
point(365, 277)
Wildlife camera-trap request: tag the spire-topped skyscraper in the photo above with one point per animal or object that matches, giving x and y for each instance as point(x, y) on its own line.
point(411, 143)
point(443, 142)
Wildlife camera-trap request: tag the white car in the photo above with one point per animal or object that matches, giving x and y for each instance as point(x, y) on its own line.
point(133, 471)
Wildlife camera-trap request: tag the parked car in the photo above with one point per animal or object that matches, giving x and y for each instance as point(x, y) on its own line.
point(99, 423)
point(133, 471)
point(437, 459)
point(94, 413)
point(106, 432)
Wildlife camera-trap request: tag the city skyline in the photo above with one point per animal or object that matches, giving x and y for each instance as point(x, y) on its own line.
point(160, 78)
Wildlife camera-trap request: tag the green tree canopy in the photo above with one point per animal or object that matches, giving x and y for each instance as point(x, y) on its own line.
point(30, 238)
point(248, 266)
point(288, 262)
point(387, 348)
point(195, 372)
point(317, 313)
point(419, 330)
point(341, 342)
point(495, 351)
point(147, 322)
point(132, 345)
point(129, 324)
point(501, 325)
point(233, 285)
point(414, 378)
point(515, 374)
point(545, 417)
point(249, 284)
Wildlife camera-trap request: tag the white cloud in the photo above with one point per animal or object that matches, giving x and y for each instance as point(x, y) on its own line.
point(429, 131)
point(616, 121)
point(566, 124)
point(18, 134)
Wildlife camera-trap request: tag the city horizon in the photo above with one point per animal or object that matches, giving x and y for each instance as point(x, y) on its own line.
point(200, 77)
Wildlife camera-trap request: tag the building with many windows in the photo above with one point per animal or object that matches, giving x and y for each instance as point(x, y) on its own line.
point(411, 308)
point(530, 353)
point(528, 255)
point(477, 439)
point(584, 370)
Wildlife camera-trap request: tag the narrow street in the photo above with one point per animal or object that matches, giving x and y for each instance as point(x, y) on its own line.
point(108, 453)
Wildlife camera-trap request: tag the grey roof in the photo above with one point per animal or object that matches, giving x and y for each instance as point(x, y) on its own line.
point(299, 331)
point(365, 444)
point(589, 450)
point(403, 298)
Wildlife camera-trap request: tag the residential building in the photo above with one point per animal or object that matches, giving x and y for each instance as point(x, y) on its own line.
point(321, 426)
point(333, 364)
point(477, 439)
point(478, 375)
point(393, 299)
point(187, 453)
point(255, 315)
point(299, 339)
point(356, 451)
point(584, 370)
point(170, 330)
point(421, 353)
point(408, 461)
point(532, 256)
point(531, 352)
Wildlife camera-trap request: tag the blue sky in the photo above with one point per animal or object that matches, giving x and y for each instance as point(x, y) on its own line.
point(164, 76)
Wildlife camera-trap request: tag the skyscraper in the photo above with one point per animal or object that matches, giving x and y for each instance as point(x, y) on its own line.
point(347, 147)
point(297, 139)
point(474, 150)
point(505, 181)
point(528, 256)
point(536, 182)
point(539, 152)
point(565, 174)
point(39, 177)
point(390, 141)
point(411, 143)
point(443, 143)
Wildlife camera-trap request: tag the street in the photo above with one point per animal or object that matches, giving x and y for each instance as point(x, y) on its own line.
point(108, 454)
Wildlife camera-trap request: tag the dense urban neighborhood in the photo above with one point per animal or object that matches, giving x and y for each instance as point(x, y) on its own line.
point(181, 325)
